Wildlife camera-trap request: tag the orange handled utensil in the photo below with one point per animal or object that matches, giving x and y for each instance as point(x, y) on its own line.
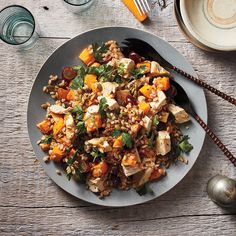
point(135, 7)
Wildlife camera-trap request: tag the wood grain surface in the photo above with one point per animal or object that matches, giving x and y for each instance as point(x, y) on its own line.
point(31, 204)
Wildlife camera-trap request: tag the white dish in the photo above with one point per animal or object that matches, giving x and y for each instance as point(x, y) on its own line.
point(211, 22)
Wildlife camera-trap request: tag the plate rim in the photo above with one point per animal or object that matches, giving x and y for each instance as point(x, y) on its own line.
point(103, 203)
point(190, 27)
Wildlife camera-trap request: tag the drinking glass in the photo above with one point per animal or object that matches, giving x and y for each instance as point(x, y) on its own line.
point(78, 6)
point(18, 27)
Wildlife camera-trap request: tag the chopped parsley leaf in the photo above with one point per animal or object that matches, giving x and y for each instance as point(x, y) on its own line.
point(155, 120)
point(72, 159)
point(144, 189)
point(79, 112)
point(102, 107)
point(151, 140)
point(184, 145)
point(116, 133)
point(47, 140)
point(121, 69)
point(98, 51)
point(78, 81)
point(137, 72)
point(81, 127)
point(127, 140)
point(96, 153)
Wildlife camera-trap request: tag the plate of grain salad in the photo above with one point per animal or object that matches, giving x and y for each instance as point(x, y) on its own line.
point(105, 126)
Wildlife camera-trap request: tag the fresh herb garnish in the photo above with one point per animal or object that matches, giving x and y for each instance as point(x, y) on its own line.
point(137, 72)
point(151, 139)
point(184, 145)
point(98, 51)
point(79, 176)
point(69, 175)
point(70, 162)
point(155, 120)
point(79, 112)
point(72, 159)
point(81, 127)
point(79, 143)
point(104, 72)
point(117, 79)
point(96, 153)
point(102, 107)
point(127, 140)
point(78, 67)
point(144, 189)
point(121, 69)
point(47, 139)
point(116, 133)
point(78, 81)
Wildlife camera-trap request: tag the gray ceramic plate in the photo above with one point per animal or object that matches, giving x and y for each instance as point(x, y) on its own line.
point(66, 55)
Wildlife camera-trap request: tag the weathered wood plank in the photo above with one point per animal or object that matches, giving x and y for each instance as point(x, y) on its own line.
point(68, 221)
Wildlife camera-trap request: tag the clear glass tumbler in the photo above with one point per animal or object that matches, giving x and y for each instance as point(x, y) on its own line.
point(77, 6)
point(18, 27)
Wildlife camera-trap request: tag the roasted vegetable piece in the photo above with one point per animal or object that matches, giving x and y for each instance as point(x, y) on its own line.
point(57, 154)
point(90, 80)
point(44, 126)
point(71, 95)
point(44, 146)
point(147, 90)
point(93, 122)
point(146, 65)
point(58, 125)
point(62, 93)
point(86, 56)
point(100, 169)
point(144, 107)
point(162, 83)
point(68, 73)
point(157, 173)
point(130, 159)
point(95, 64)
point(118, 142)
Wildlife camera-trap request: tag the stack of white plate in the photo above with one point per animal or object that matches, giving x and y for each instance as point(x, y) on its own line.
point(209, 24)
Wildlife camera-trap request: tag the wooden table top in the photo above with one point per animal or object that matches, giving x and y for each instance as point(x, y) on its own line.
point(31, 204)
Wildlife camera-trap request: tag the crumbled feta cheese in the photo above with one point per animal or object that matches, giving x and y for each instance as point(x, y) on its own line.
point(130, 170)
point(160, 103)
point(163, 144)
point(101, 143)
point(93, 109)
point(128, 64)
point(56, 109)
point(179, 113)
point(109, 88)
point(96, 185)
point(70, 126)
point(147, 123)
point(141, 98)
point(157, 69)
